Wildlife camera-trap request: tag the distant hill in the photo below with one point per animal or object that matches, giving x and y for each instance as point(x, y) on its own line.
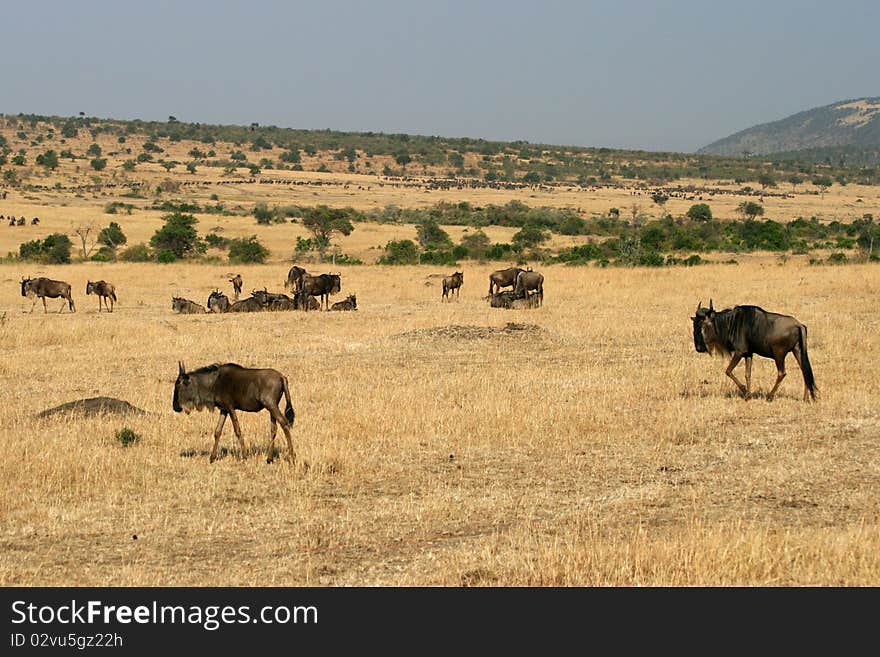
point(848, 130)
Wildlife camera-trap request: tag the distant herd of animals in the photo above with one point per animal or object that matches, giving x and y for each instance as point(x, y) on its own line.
point(21, 221)
point(738, 333)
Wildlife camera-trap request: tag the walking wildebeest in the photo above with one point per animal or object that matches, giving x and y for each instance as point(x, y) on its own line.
point(530, 280)
point(503, 278)
point(229, 387)
point(218, 302)
point(185, 306)
point(452, 284)
point(236, 285)
point(40, 288)
point(105, 291)
point(294, 278)
point(743, 331)
point(321, 286)
point(349, 303)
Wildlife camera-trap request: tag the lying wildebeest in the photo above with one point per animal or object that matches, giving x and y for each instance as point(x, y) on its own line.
point(274, 301)
point(349, 303)
point(249, 305)
point(502, 299)
point(236, 285)
point(185, 306)
point(452, 284)
point(294, 278)
point(40, 288)
point(305, 302)
point(743, 331)
point(321, 286)
point(105, 291)
point(525, 303)
point(229, 387)
point(527, 281)
point(218, 302)
point(503, 278)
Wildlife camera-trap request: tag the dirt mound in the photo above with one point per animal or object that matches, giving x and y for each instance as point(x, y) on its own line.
point(93, 406)
point(469, 332)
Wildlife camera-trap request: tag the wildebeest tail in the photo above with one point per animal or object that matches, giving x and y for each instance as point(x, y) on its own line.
point(113, 295)
point(809, 380)
point(288, 412)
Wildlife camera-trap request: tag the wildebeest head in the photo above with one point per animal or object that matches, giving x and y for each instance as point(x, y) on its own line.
point(187, 392)
point(704, 329)
point(336, 285)
point(25, 286)
point(90, 287)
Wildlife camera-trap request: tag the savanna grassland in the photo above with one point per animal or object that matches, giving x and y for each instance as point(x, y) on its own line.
point(581, 443)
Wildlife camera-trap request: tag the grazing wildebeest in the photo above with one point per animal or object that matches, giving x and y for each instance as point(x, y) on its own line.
point(527, 281)
point(185, 306)
point(294, 278)
point(105, 291)
point(236, 285)
point(743, 331)
point(218, 302)
point(35, 221)
point(249, 305)
point(40, 288)
point(452, 284)
point(349, 303)
point(503, 278)
point(321, 286)
point(21, 221)
point(229, 387)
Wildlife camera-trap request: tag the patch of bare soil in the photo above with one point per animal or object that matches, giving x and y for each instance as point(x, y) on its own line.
point(93, 406)
point(471, 332)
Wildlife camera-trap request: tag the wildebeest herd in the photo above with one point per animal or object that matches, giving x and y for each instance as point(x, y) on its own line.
point(738, 333)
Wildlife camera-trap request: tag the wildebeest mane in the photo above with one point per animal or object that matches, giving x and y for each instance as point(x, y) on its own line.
point(733, 326)
point(213, 367)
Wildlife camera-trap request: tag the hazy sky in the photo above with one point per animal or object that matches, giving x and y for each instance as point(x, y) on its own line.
point(650, 75)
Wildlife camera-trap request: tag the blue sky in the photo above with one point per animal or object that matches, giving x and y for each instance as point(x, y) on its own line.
point(649, 75)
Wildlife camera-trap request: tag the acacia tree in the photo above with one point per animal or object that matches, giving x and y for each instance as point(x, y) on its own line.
point(750, 209)
point(89, 241)
point(323, 223)
point(660, 199)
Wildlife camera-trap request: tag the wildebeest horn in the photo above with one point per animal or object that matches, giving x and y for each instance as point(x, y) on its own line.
point(711, 307)
point(181, 368)
point(699, 305)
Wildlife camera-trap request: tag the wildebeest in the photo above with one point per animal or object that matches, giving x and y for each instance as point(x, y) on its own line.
point(452, 284)
point(743, 331)
point(35, 221)
point(525, 303)
point(294, 278)
point(41, 287)
point(229, 387)
point(105, 291)
point(249, 305)
point(218, 302)
point(274, 301)
point(236, 285)
point(502, 299)
point(185, 306)
point(503, 278)
point(527, 281)
point(349, 303)
point(322, 286)
point(306, 302)
point(21, 221)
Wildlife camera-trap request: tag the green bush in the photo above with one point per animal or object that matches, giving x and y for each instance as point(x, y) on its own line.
point(178, 236)
point(400, 252)
point(127, 437)
point(247, 250)
point(166, 256)
point(136, 253)
point(55, 249)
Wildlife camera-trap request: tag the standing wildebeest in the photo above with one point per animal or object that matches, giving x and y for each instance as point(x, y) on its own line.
point(229, 388)
point(294, 278)
point(105, 291)
point(321, 286)
point(452, 284)
point(349, 303)
point(744, 331)
point(503, 278)
point(40, 288)
point(236, 285)
point(218, 302)
point(185, 306)
point(527, 281)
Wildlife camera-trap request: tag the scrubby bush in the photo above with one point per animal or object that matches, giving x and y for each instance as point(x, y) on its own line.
point(247, 250)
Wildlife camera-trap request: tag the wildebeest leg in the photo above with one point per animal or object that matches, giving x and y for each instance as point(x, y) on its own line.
point(237, 429)
point(278, 417)
point(733, 363)
point(270, 455)
point(780, 374)
point(797, 356)
point(217, 431)
point(748, 376)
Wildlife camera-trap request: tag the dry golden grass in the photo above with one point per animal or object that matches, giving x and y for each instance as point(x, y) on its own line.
point(592, 447)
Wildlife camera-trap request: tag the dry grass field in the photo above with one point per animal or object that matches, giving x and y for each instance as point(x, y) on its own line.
point(582, 443)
